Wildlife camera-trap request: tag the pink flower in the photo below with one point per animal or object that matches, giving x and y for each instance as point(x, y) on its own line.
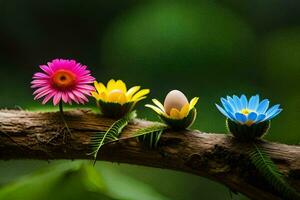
point(64, 80)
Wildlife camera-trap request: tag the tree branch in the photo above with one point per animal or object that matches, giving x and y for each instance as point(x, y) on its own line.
point(36, 135)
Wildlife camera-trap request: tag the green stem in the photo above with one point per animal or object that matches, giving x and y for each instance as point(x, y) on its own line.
point(61, 111)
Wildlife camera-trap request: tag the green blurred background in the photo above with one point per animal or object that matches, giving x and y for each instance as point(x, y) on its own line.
point(204, 48)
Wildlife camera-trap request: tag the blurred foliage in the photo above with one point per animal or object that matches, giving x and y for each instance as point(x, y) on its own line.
point(74, 180)
point(204, 48)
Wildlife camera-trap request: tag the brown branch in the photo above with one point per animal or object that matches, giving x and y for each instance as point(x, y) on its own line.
point(35, 135)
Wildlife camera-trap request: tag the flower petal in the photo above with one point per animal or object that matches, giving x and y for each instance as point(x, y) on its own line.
point(237, 102)
point(185, 110)
point(263, 106)
point(156, 109)
point(193, 102)
point(48, 97)
point(65, 97)
point(252, 116)
point(260, 118)
point(48, 70)
point(175, 114)
point(240, 117)
point(96, 95)
point(140, 94)
point(223, 112)
point(158, 104)
point(131, 92)
point(273, 114)
point(100, 87)
point(111, 85)
point(121, 86)
point(272, 109)
point(244, 101)
point(253, 102)
point(57, 98)
point(232, 104)
point(228, 107)
point(139, 99)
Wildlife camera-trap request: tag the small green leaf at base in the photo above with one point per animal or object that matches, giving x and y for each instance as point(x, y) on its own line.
point(272, 175)
point(112, 134)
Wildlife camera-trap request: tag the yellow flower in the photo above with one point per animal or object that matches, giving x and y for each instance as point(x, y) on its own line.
point(115, 100)
point(177, 112)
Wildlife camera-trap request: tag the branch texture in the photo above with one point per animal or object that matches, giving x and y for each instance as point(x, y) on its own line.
point(219, 157)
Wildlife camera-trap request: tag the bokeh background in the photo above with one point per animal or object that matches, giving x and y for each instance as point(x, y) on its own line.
point(204, 48)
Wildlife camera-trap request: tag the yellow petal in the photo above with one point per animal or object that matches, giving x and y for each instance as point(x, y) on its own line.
point(156, 109)
point(121, 86)
point(158, 104)
point(131, 92)
point(185, 110)
point(140, 94)
point(175, 114)
point(103, 96)
point(117, 96)
point(95, 95)
point(193, 102)
point(139, 99)
point(111, 85)
point(100, 87)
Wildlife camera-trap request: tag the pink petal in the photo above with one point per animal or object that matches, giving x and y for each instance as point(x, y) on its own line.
point(71, 95)
point(40, 75)
point(48, 97)
point(46, 69)
point(38, 81)
point(43, 93)
point(65, 97)
point(57, 98)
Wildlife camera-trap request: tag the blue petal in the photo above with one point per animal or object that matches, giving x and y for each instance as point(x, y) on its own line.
point(260, 118)
point(232, 103)
point(252, 116)
point(226, 105)
point(271, 110)
point(253, 103)
point(263, 106)
point(223, 111)
point(240, 117)
point(274, 114)
point(231, 115)
point(244, 101)
point(237, 102)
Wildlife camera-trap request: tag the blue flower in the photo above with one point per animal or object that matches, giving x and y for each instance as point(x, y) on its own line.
point(239, 109)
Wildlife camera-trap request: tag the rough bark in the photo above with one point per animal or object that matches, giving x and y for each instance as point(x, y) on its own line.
point(36, 135)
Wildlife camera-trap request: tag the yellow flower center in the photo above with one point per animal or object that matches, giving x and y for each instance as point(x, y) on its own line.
point(117, 96)
point(63, 79)
point(245, 111)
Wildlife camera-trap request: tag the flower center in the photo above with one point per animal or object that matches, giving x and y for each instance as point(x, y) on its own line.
point(63, 79)
point(245, 111)
point(117, 96)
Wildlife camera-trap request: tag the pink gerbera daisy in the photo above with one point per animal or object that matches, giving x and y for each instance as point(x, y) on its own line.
point(63, 80)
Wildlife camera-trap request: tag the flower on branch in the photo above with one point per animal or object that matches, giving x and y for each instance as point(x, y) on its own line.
point(114, 100)
point(177, 111)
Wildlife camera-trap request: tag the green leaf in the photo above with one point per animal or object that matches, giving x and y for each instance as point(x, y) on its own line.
point(126, 187)
point(270, 172)
point(77, 180)
point(150, 135)
point(71, 180)
point(112, 134)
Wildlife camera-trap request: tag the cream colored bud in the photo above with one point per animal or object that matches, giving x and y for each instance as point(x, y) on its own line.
point(174, 99)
